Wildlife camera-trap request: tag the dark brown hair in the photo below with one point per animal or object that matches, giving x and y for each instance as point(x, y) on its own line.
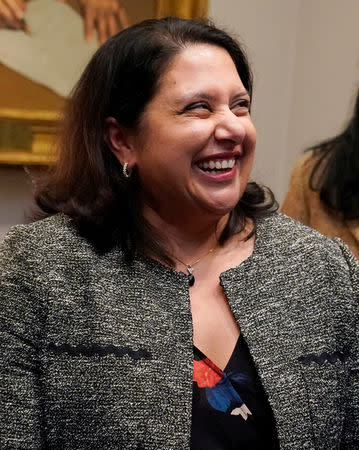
point(336, 173)
point(87, 183)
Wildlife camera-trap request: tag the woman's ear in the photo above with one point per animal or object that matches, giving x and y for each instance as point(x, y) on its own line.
point(119, 139)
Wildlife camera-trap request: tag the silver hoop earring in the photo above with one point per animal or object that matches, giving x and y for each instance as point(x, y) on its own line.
point(126, 173)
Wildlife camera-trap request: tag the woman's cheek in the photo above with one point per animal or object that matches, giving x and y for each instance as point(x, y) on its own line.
point(200, 132)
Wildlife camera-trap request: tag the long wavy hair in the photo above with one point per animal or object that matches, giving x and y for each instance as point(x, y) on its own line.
point(87, 183)
point(335, 175)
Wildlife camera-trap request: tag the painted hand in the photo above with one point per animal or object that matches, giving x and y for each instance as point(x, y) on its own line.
point(106, 16)
point(11, 13)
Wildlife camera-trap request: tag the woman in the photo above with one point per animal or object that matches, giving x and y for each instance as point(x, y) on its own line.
point(163, 303)
point(324, 189)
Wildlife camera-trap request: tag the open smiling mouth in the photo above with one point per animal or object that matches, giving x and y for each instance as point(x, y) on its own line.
point(217, 166)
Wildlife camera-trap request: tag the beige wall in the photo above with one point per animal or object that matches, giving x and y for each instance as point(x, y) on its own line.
point(305, 56)
point(15, 197)
point(326, 72)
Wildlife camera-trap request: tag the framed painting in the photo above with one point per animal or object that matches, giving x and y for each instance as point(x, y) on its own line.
point(30, 110)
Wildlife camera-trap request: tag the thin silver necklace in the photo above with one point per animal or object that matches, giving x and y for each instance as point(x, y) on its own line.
point(189, 267)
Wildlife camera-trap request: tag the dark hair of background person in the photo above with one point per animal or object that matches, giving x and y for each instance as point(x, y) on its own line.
point(87, 182)
point(336, 173)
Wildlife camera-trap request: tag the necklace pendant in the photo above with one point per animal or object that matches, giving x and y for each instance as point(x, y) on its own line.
point(190, 276)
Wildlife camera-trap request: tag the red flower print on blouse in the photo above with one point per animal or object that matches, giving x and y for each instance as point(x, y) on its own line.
point(205, 373)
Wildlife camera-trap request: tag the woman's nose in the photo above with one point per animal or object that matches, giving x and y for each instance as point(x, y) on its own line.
point(230, 127)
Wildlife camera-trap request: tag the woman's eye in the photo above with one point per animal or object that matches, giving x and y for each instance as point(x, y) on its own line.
point(242, 104)
point(197, 106)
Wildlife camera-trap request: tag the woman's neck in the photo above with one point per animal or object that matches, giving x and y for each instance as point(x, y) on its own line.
point(189, 239)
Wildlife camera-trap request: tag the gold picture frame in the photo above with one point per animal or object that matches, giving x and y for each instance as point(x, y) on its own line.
point(27, 132)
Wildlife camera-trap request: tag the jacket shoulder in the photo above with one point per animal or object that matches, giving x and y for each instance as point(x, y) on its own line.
point(56, 231)
point(290, 236)
point(288, 231)
point(44, 244)
point(297, 245)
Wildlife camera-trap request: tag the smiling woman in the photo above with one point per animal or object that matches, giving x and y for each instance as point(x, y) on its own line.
point(162, 302)
point(199, 116)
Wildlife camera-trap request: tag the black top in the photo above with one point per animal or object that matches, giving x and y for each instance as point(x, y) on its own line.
point(230, 409)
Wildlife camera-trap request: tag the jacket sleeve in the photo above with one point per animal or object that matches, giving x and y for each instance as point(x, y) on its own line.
point(20, 332)
point(350, 437)
point(295, 204)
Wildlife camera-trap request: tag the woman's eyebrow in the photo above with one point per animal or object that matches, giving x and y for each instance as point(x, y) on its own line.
point(203, 95)
point(241, 94)
point(190, 96)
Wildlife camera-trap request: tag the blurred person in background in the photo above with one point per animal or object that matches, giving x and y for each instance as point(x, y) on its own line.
point(324, 186)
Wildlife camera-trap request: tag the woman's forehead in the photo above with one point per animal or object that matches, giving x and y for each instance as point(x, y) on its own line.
point(199, 66)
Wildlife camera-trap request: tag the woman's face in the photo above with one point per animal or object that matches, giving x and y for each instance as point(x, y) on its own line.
point(195, 145)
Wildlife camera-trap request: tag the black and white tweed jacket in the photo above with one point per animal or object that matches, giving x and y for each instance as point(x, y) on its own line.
point(96, 354)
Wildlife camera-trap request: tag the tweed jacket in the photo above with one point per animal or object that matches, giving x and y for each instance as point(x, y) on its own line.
point(305, 205)
point(97, 354)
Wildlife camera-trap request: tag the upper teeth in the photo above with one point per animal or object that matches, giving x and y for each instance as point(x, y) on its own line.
point(224, 164)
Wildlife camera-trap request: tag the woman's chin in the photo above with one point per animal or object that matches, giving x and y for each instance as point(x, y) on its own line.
point(219, 206)
point(221, 201)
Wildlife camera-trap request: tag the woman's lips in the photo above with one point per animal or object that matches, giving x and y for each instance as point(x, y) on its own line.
point(218, 168)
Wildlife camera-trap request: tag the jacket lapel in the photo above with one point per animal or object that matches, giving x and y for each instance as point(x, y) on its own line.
point(271, 337)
